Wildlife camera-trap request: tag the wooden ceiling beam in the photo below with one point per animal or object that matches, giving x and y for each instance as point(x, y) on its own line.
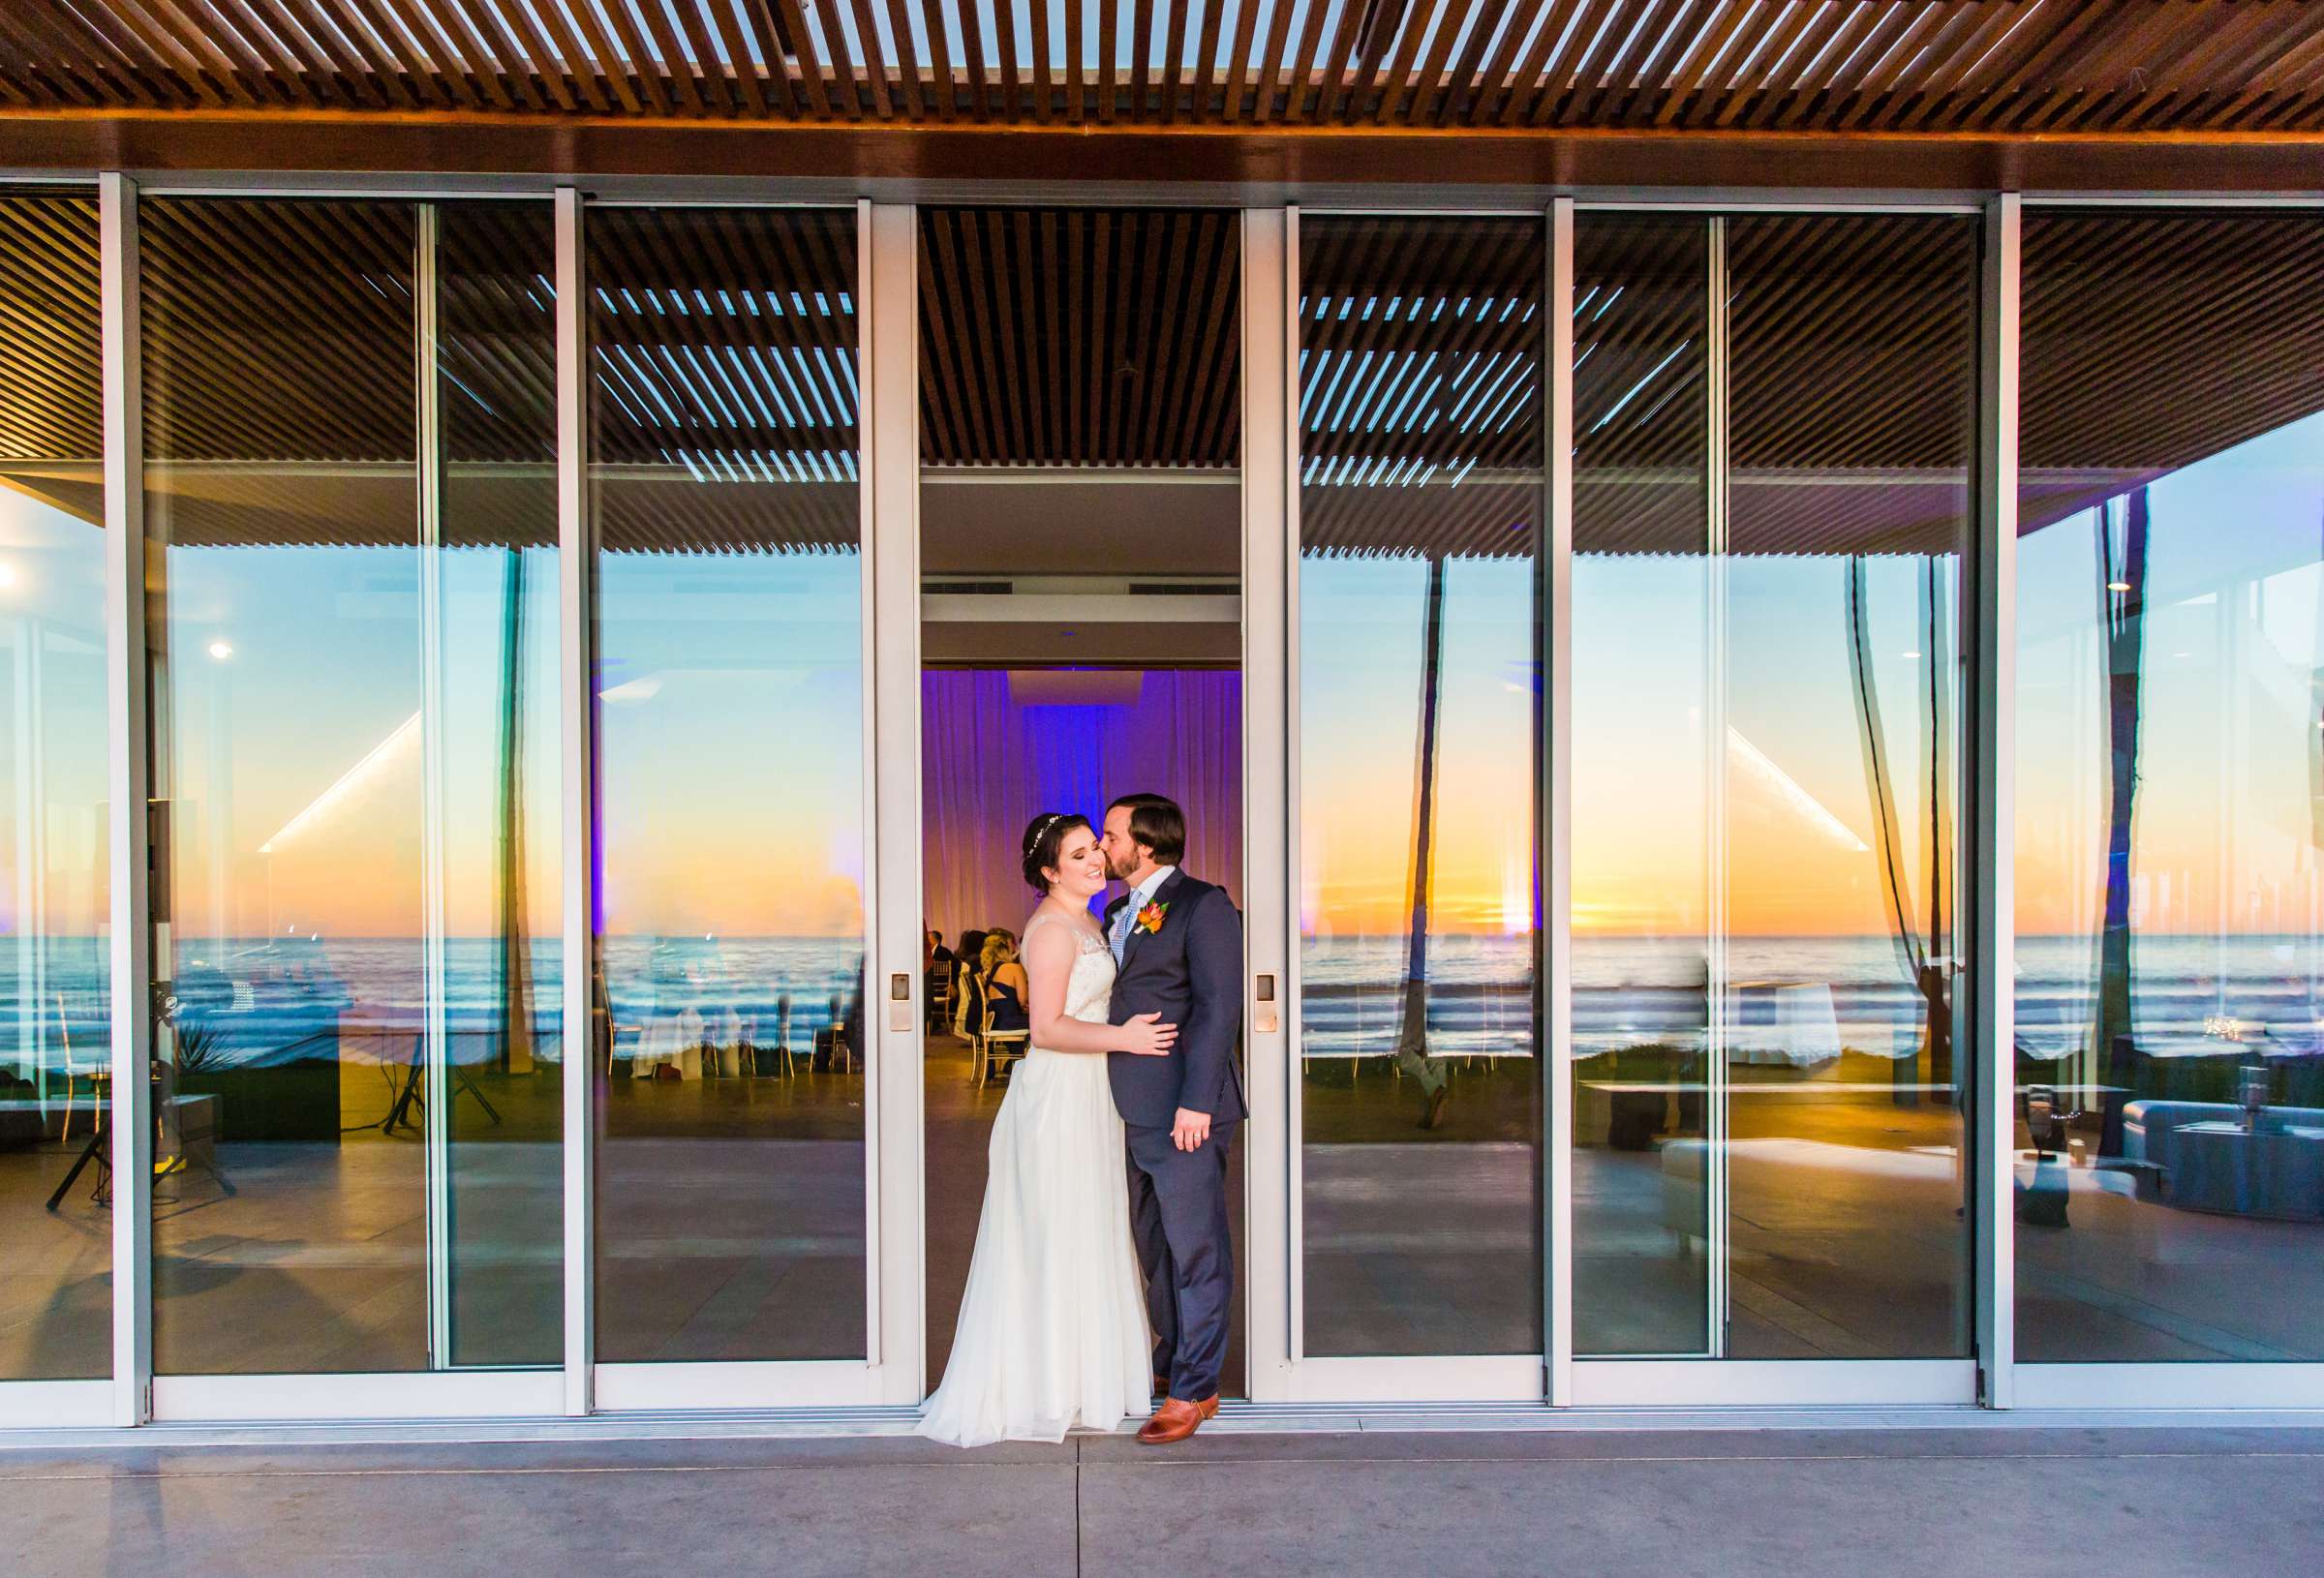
point(1273, 157)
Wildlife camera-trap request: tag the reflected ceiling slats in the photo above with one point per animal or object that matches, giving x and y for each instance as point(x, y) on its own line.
point(1982, 67)
point(49, 395)
point(1851, 358)
point(723, 346)
point(279, 331)
point(1640, 333)
point(280, 336)
point(2153, 339)
point(1421, 395)
point(1852, 374)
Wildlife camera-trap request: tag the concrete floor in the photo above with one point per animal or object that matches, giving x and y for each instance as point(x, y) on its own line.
point(1804, 1504)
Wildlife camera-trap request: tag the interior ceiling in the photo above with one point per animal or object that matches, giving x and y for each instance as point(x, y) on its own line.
point(1080, 336)
point(2017, 67)
point(281, 381)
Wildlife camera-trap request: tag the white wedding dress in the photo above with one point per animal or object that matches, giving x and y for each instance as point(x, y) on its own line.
point(1052, 1333)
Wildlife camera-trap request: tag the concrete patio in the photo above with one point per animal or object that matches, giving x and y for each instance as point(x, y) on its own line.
point(1954, 1496)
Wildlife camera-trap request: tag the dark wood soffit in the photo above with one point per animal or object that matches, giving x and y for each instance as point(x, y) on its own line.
point(565, 147)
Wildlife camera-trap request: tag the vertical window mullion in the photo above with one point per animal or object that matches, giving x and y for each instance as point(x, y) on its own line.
point(1554, 803)
point(129, 831)
point(1988, 857)
point(576, 708)
point(1715, 726)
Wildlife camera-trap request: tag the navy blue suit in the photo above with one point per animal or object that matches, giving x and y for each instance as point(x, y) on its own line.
point(1189, 971)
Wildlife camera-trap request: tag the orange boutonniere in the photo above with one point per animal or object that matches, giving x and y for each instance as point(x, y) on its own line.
point(1150, 919)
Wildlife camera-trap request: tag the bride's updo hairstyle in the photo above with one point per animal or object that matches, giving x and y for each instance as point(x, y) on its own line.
point(1044, 836)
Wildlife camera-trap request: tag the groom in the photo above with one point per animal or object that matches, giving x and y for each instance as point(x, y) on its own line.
point(1178, 944)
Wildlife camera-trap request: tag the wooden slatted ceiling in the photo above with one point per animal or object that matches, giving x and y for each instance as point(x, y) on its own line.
point(1995, 67)
point(1080, 337)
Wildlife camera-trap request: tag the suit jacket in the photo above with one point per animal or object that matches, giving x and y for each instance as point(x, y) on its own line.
point(1190, 972)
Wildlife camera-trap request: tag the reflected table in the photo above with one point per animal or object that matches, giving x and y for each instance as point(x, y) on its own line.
point(2219, 1165)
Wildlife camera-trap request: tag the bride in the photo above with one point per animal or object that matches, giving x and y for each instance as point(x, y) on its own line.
point(1053, 1331)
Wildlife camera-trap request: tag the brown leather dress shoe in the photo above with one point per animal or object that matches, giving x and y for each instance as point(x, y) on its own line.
point(1161, 1385)
point(1177, 1419)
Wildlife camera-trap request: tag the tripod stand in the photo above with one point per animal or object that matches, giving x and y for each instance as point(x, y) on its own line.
point(411, 1102)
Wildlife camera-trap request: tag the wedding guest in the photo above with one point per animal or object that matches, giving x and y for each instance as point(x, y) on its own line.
point(1005, 985)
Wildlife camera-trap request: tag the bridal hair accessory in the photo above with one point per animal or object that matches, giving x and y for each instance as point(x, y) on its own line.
point(1040, 847)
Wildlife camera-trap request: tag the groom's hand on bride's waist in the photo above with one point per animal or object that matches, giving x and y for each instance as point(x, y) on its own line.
point(1189, 1128)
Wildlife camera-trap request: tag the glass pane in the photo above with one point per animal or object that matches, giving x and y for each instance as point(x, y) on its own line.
point(1418, 697)
point(55, 1064)
point(730, 1170)
point(1642, 781)
point(1851, 390)
point(496, 359)
point(2170, 915)
point(290, 1213)
point(1769, 1115)
point(343, 805)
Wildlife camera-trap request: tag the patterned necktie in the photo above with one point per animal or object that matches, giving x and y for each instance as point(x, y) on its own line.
point(1124, 918)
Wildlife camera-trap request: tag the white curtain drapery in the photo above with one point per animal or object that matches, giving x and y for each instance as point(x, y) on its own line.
point(997, 751)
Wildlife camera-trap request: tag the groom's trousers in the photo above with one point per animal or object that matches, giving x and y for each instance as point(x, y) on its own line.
point(1179, 1217)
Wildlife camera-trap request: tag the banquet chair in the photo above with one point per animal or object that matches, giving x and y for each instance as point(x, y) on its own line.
point(726, 1044)
point(1006, 1046)
point(939, 998)
point(97, 1075)
point(782, 1037)
point(842, 1052)
point(968, 1021)
point(968, 995)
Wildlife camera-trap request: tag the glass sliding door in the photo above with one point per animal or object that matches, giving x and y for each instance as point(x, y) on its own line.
point(729, 1075)
point(55, 1038)
point(1419, 1096)
point(2169, 1069)
point(1851, 387)
point(1774, 419)
point(352, 529)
